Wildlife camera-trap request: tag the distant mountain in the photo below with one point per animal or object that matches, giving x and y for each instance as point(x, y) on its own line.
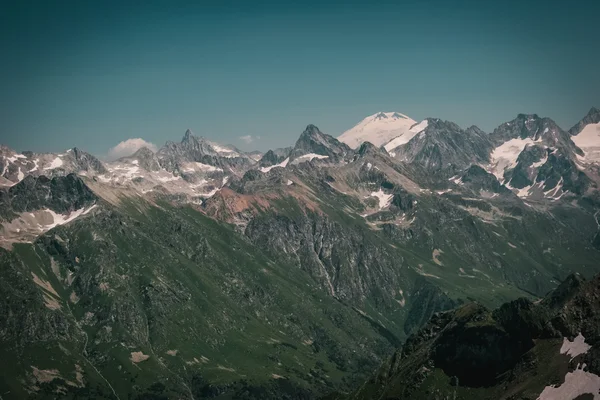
point(145, 158)
point(379, 129)
point(536, 157)
point(272, 157)
point(313, 143)
point(442, 144)
point(14, 166)
point(192, 148)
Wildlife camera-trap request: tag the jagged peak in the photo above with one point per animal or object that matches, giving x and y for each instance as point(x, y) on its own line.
point(475, 129)
point(189, 137)
point(142, 152)
point(438, 123)
point(76, 151)
point(592, 117)
point(311, 129)
point(368, 148)
point(527, 116)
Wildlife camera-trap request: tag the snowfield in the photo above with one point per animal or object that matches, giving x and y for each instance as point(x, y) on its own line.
point(308, 157)
point(504, 157)
point(282, 164)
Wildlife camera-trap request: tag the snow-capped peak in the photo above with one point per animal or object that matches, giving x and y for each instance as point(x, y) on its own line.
point(378, 129)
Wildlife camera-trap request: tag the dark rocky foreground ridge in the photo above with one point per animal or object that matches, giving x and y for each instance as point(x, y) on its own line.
point(202, 272)
point(513, 352)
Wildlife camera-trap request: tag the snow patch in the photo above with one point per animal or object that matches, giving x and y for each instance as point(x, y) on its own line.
point(405, 138)
point(504, 157)
point(435, 256)
point(170, 178)
point(576, 383)
point(420, 127)
point(138, 356)
point(61, 219)
point(206, 167)
point(457, 180)
point(576, 347)
point(14, 158)
point(553, 193)
point(308, 157)
point(384, 199)
point(224, 151)
point(35, 165)
point(524, 192)
point(57, 162)
point(282, 164)
point(540, 163)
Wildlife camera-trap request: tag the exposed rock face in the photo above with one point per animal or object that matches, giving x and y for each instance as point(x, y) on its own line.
point(145, 158)
point(60, 194)
point(15, 167)
point(478, 179)
point(538, 129)
point(273, 157)
point(83, 161)
point(313, 141)
point(344, 261)
point(444, 144)
point(592, 117)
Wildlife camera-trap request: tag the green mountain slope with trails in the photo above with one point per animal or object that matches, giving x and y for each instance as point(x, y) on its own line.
point(163, 300)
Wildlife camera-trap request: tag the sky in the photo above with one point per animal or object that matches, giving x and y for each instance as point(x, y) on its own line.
point(254, 73)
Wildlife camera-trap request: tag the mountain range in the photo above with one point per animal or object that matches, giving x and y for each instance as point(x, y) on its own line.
point(202, 271)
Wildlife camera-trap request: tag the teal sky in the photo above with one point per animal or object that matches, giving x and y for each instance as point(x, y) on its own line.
point(91, 74)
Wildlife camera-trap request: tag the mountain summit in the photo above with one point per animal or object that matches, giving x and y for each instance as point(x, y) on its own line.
point(378, 129)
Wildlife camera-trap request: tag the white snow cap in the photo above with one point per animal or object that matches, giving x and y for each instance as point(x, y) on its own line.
point(378, 129)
